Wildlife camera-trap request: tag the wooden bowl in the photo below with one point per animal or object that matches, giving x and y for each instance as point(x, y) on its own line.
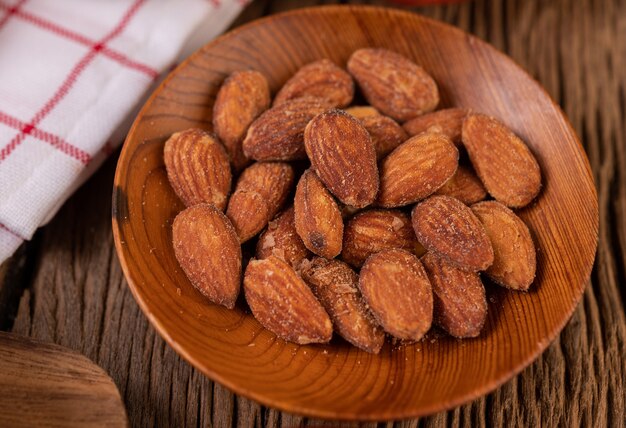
point(337, 380)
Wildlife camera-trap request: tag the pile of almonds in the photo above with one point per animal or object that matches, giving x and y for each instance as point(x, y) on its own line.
point(389, 226)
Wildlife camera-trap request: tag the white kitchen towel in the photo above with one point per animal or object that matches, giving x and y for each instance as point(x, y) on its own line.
point(71, 74)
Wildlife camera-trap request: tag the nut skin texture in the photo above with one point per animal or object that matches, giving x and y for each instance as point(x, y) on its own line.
point(207, 249)
point(465, 186)
point(321, 79)
point(343, 156)
point(372, 231)
point(515, 259)
point(317, 217)
point(278, 133)
point(416, 169)
point(504, 163)
point(447, 227)
point(283, 303)
point(385, 132)
point(336, 287)
point(281, 240)
point(398, 293)
point(243, 96)
point(248, 211)
point(197, 168)
point(261, 191)
point(392, 83)
point(361, 112)
point(460, 303)
point(448, 121)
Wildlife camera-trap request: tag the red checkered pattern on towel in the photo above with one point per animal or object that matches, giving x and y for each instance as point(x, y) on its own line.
point(71, 74)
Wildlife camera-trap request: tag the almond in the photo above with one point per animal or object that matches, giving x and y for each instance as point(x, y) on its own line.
point(447, 121)
point(398, 292)
point(372, 231)
point(416, 169)
point(336, 287)
point(465, 186)
point(197, 168)
point(282, 302)
point(249, 213)
point(460, 304)
point(321, 79)
point(447, 227)
point(393, 84)
point(385, 132)
point(342, 154)
point(208, 251)
point(243, 96)
point(504, 163)
point(361, 112)
point(317, 217)
point(281, 240)
point(278, 134)
point(261, 191)
point(515, 259)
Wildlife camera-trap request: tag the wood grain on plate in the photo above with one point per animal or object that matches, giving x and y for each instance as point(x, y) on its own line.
point(338, 381)
point(66, 286)
point(48, 385)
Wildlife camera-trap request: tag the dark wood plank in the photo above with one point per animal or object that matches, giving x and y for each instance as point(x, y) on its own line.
point(72, 291)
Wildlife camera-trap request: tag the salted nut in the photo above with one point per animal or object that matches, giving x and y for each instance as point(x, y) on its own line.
point(337, 202)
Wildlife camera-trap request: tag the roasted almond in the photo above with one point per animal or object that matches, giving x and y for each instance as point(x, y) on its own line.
point(515, 259)
point(278, 134)
point(416, 169)
point(243, 96)
point(447, 227)
point(393, 84)
point(336, 287)
point(321, 79)
point(317, 217)
point(398, 292)
point(281, 240)
point(447, 121)
point(465, 186)
point(282, 302)
point(362, 111)
point(460, 305)
point(197, 168)
point(343, 155)
point(261, 192)
point(273, 180)
point(249, 213)
point(385, 132)
point(372, 231)
point(504, 163)
point(208, 251)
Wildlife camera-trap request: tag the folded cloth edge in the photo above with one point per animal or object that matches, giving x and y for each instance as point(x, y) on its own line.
point(201, 31)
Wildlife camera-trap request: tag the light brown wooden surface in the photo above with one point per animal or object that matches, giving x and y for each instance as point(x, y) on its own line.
point(46, 384)
point(66, 286)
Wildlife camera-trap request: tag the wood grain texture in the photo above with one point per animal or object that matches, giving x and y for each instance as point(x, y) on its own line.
point(336, 381)
point(47, 384)
point(72, 291)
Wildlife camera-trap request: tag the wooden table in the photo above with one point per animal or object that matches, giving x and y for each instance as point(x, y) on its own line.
point(66, 285)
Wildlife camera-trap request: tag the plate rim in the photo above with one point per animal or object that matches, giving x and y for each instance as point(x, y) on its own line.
point(311, 411)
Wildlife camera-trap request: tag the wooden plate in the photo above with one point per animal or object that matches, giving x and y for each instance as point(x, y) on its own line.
point(337, 380)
